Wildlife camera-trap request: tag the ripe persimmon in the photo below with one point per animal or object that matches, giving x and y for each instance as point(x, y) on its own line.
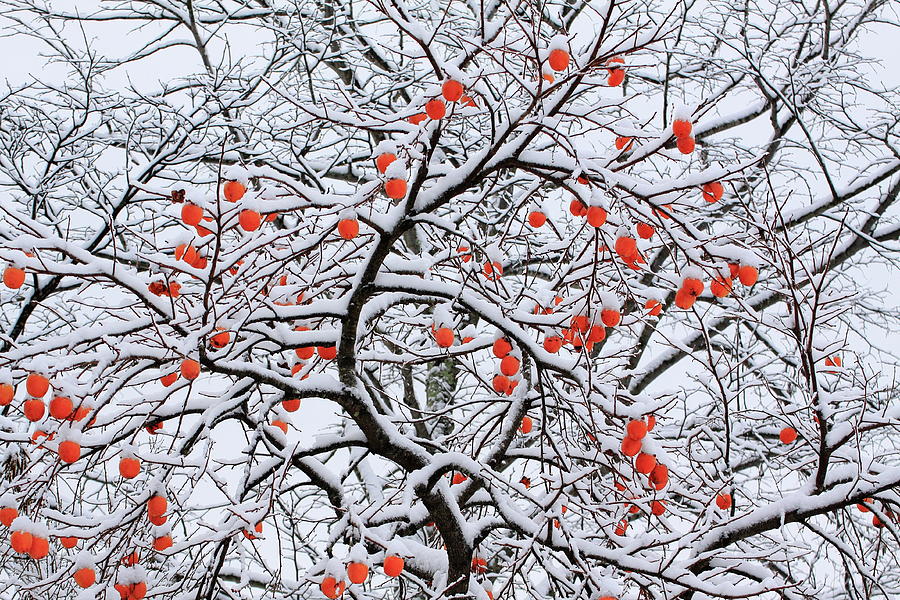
point(34, 409)
point(616, 77)
point(578, 208)
point(435, 109)
point(384, 160)
point(219, 340)
point(163, 542)
point(191, 214)
point(653, 307)
point(509, 365)
point(537, 219)
point(21, 541)
point(348, 228)
point(393, 566)
point(644, 463)
point(626, 246)
point(357, 572)
point(624, 143)
point(280, 425)
point(68, 542)
point(249, 220)
point(444, 337)
point(659, 476)
point(631, 446)
point(501, 347)
point(681, 128)
point(713, 191)
point(596, 216)
point(645, 231)
point(636, 429)
point(492, 270)
point(330, 587)
point(417, 118)
point(190, 369)
point(720, 286)
point(258, 528)
point(40, 548)
point(723, 501)
point(13, 277)
point(8, 514)
point(657, 508)
point(69, 451)
point(291, 404)
point(526, 425)
point(157, 505)
point(558, 60)
point(684, 299)
point(787, 435)
point(610, 317)
point(233, 190)
point(395, 188)
point(500, 383)
point(327, 352)
point(37, 385)
point(621, 527)
point(452, 90)
point(129, 467)
point(553, 343)
point(685, 145)
point(85, 577)
point(7, 392)
point(61, 408)
point(169, 379)
point(748, 275)
point(596, 334)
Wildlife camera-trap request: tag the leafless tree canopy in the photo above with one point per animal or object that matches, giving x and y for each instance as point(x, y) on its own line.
point(458, 384)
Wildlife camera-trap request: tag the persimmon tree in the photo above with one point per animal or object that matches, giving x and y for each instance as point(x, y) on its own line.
point(448, 299)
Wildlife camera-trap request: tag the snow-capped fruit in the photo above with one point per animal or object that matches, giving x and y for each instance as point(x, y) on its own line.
point(713, 191)
point(631, 446)
point(458, 478)
point(330, 587)
point(190, 369)
point(220, 340)
point(659, 476)
point(558, 60)
point(8, 514)
point(624, 143)
point(393, 566)
point(68, 542)
point(681, 128)
point(653, 307)
point(723, 501)
point(610, 317)
point(21, 541)
point(37, 385)
point(417, 118)
point(163, 542)
point(616, 77)
point(13, 277)
point(692, 285)
point(501, 347)
point(191, 214)
point(636, 429)
point(645, 231)
point(657, 508)
point(509, 365)
point(553, 343)
point(384, 160)
point(526, 425)
point(129, 467)
point(357, 572)
point(85, 577)
point(685, 145)
point(644, 463)
point(327, 352)
point(500, 383)
point(435, 109)
point(748, 275)
point(578, 208)
point(395, 188)
point(787, 435)
point(596, 216)
point(169, 379)
point(233, 190)
point(157, 505)
point(69, 451)
point(452, 90)
point(291, 404)
point(684, 299)
point(7, 393)
point(40, 548)
point(537, 219)
point(61, 408)
point(626, 246)
point(720, 286)
point(249, 220)
point(348, 228)
point(622, 527)
point(251, 535)
point(444, 337)
point(280, 425)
